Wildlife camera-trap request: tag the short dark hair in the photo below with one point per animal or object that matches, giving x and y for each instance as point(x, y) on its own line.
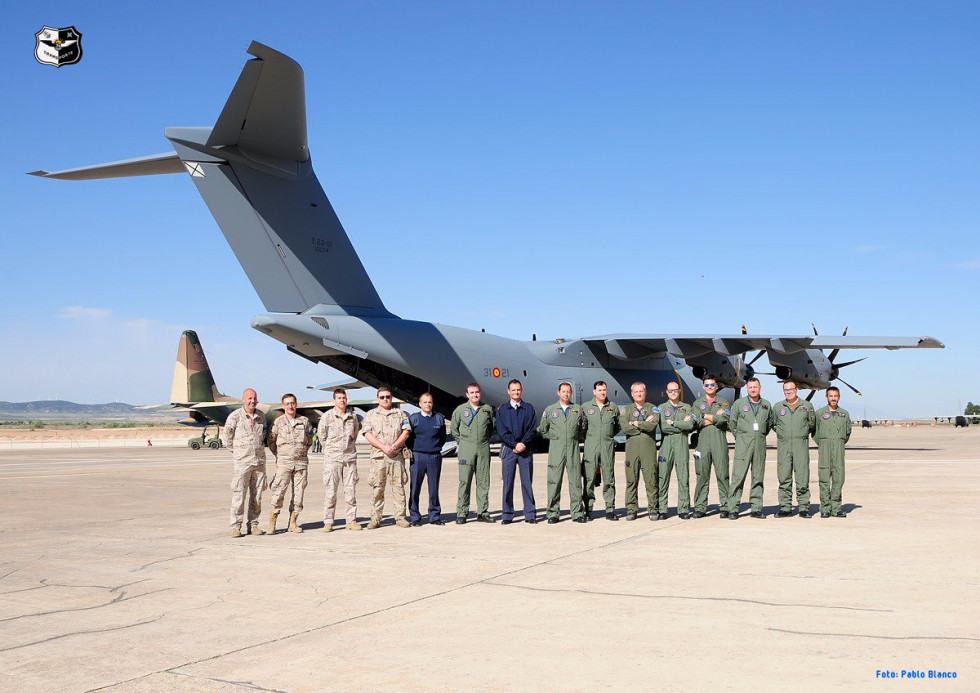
point(834, 388)
point(282, 400)
point(597, 383)
point(385, 388)
point(752, 380)
point(515, 380)
point(476, 385)
point(709, 376)
point(339, 391)
point(565, 384)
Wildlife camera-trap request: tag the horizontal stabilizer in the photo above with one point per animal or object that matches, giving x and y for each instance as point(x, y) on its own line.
point(346, 383)
point(153, 165)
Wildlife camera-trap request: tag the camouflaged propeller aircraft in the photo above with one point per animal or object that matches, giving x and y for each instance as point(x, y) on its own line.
point(195, 392)
point(254, 171)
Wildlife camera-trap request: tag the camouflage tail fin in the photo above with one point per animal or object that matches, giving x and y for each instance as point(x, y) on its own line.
point(193, 381)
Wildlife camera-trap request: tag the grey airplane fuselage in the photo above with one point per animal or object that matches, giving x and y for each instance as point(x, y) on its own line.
point(413, 357)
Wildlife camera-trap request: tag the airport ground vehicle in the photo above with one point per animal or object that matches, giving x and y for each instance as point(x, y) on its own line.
point(206, 440)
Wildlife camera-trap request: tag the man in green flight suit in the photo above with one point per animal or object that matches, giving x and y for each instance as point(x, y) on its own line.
point(749, 422)
point(832, 432)
point(561, 426)
point(601, 421)
point(793, 420)
point(712, 421)
point(676, 423)
point(472, 427)
point(639, 422)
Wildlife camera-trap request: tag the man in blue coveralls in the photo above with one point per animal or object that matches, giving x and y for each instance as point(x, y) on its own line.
point(426, 441)
point(516, 424)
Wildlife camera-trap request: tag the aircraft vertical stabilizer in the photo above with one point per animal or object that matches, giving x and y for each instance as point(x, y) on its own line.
point(254, 171)
point(193, 381)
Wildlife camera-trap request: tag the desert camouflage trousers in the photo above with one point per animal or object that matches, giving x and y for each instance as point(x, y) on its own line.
point(286, 478)
point(247, 482)
point(335, 473)
point(393, 472)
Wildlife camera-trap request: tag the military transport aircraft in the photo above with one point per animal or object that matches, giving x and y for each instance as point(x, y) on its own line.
point(195, 392)
point(254, 171)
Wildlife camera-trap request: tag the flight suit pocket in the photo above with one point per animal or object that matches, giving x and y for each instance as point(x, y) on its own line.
point(237, 481)
point(373, 476)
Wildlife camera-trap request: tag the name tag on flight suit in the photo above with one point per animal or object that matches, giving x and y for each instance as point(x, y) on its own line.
point(755, 425)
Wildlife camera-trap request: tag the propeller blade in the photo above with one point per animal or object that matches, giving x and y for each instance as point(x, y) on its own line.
point(814, 329)
point(744, 331)
point(856, 391)
point(834, 353)
point(756, 357)
point(810, 396)
point(850, 363)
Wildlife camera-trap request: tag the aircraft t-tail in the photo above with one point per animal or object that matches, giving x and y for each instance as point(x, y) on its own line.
point(254, 171)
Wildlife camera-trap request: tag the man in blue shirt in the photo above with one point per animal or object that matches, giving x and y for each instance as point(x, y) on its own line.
point(516, 424)
point(426, 441)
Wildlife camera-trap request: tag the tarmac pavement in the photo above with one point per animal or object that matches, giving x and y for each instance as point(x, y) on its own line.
point(117, 573)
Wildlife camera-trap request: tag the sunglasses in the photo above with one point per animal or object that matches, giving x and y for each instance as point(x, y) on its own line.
point(384, 396)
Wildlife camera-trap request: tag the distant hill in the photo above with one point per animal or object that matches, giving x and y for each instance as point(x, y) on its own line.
point(62, 410)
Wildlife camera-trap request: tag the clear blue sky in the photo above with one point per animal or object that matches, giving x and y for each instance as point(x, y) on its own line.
point(813, 160)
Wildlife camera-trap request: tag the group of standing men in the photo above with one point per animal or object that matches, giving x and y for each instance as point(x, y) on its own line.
point(397, 438)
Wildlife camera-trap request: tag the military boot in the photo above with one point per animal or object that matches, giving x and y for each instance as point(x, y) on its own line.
point(294, 523)
point(374, 524)
point(236, 532)
point(256, 530)
point(272, 522)
point(354, 526)
point(402, 522)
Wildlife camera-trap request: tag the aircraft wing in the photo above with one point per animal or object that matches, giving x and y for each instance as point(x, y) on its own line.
point(629, 347)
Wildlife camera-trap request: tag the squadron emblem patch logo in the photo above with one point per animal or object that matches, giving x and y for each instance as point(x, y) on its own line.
point(826, 415)
point(782, 412)
point(745, 407)
point(58, 46)
point(466, 413)
point(591, 411)
point(554, 415)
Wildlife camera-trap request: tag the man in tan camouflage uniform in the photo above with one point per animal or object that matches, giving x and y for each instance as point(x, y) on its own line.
point(244, 435)
point(387, 429)
point(337, 433)
point(289, 440)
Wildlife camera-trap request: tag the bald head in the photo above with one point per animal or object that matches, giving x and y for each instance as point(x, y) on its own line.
point(249, 400)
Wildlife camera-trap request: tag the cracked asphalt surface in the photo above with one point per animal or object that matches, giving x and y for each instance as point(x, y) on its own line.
point(117, 574)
